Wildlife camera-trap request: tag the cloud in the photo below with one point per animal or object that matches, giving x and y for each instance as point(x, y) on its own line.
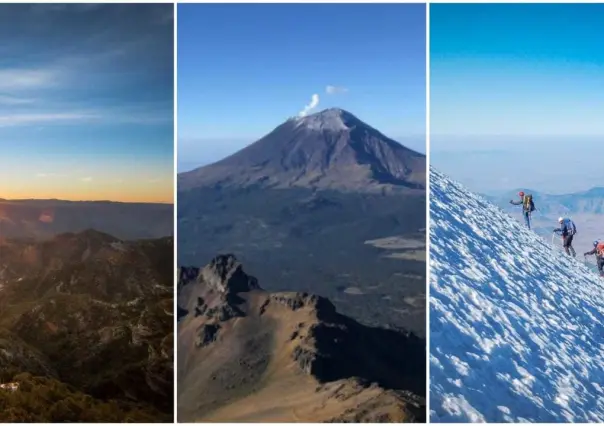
point(132, 116)
point(60, 72)
point(26, 119)
point(50, 175)
point(11, 79)
point(13, 100)
point(312, 105)
point(113, 116)
point(87, 179)
point(334, 90)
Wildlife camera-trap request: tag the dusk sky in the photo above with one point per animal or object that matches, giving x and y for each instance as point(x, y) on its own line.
point(86, 102)
point(518, 87)
point(244, 69)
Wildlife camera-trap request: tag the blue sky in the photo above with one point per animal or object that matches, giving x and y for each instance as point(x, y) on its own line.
point(86, 101)
point(524, 85)
point(243, 69)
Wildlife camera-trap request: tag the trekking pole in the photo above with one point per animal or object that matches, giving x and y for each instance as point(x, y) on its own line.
point(553, 235)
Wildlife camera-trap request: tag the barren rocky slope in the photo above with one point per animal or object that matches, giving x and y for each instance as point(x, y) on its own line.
point(249, 355)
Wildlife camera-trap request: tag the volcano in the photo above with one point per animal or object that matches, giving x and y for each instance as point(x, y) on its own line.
point(331, 149)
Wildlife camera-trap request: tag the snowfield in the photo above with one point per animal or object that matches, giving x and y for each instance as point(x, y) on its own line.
point(516, 327)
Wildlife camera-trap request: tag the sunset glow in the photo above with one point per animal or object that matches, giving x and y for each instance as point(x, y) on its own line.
point(86, 102)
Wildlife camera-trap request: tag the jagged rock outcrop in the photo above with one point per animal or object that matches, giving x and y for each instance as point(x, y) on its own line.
point(238, 332)
point(208, 334)
point(295, 301)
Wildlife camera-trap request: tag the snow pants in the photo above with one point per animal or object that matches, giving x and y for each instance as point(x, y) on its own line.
point(567, 243)
point(527, 218)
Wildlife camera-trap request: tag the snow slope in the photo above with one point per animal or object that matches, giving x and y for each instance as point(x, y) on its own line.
point(516, 328)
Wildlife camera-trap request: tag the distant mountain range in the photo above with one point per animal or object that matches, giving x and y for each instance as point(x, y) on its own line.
point(47, 218)
point(303, 208)
point(88, 313)
point(585, 202)
point(248, 355)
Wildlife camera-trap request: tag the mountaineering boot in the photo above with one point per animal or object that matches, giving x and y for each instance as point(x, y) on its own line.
point(572, 250)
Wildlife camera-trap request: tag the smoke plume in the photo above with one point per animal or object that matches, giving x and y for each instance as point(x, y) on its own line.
point(312, 105)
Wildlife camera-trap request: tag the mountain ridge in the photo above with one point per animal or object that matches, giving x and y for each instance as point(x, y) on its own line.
point(590, 201)
point(267, 340)
point(91, 312)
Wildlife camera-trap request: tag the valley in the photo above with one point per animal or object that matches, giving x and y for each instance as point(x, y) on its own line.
point(89, 316)
point(43, 219)
point(298, 239)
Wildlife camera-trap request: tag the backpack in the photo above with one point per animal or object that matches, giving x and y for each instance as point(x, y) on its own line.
point(528, 204)
point(600, 249)
point(570, 226)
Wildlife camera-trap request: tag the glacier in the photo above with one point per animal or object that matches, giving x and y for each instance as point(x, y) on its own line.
point(516, 327)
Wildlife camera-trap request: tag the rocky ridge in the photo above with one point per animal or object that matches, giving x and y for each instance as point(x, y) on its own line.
point(227, 308)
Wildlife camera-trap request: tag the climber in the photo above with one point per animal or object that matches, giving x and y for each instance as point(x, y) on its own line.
point(568, 230)
point(527, 206)
point(598, 250)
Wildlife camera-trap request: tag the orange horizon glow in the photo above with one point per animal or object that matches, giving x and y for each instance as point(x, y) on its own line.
point(84, 200)
point(160, 194)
